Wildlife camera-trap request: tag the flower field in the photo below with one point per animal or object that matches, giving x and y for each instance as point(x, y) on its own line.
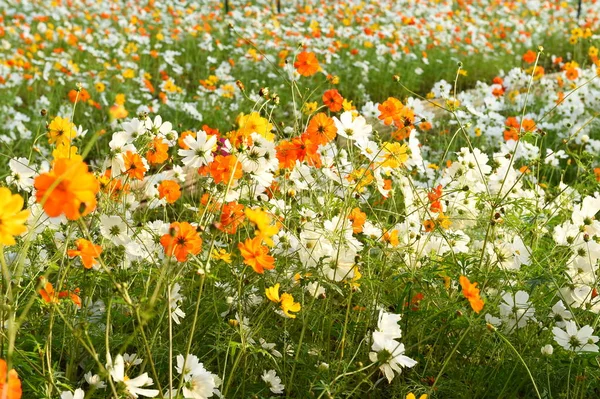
point(305, 199)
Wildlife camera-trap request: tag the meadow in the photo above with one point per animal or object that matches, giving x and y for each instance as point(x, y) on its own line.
point(375, 199)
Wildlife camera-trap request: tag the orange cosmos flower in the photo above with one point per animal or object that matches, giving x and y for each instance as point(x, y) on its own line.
point(358, 219)
point(333, 100)
point(68, 188)
point(158, 151)
point(321, 129)
point(232, 215)
point(391, 237)
point(10, 383)
point(87, 251)
point(287, 154)
point(572, 74)
point(390, 110)
point(117, 111)
point(134, 166)
point(307, 64)
point(76, 299)
point(471, 292)
point(512, 124)
point(84, 96)
point(530, 56)
point(48, 294)
point(112, 186)
point(183, 239)
point(434, 197)
point(256, 255)
point(224, 168)
point(169, 190)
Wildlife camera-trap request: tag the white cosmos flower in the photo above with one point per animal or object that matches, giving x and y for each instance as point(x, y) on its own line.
point(134, 129)
point(353, 128)
point(390, 354)
point(94, 380)
point(274, 382)
point(21, 174)
point(547, 350)
point(560, 314)
point(113, 228)
point(199, 383)
point(119, 145)
point(200, 150)
point(78, 394)
point(516, 310)
point(387, 324)
point(176, 299)
point(576, 340)
point(134, 386)
point(158, 127)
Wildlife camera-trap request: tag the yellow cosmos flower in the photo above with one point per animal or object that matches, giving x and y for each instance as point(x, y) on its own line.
point(129, 73)
point(309, 108)
point(262, 220)
point(254, 123)
point(394, 155)
point(12, 216)
point(66, 151)
point(120, 99)
point(61, 131)
point(288, 305)
point(221, 254)
point(273, 293)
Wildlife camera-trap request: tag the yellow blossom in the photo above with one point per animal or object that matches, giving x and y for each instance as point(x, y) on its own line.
point(262, 220)
point(120, 99)
point(254, 123)
point(394, 155)
point(221, 254)
point(129, 73)
point(61, 131)
point(66, 151)
point(309, 108)
point(12, 216)
point(288, 305)
point(272, 293)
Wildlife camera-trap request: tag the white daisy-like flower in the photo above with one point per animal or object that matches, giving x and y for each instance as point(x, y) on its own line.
point(274, 382)
point(200, 150)
point(576, 340)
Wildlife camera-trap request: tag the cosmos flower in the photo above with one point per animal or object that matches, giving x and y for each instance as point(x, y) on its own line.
point(182, 240)
point(12, 216)
point(67, 189)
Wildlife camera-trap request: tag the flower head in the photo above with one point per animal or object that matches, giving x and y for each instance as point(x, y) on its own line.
point(134, 165)
point(183, 239)
point(87, 251)
point(307, 64)
point(333, 100)
point(61, 131)
point(576, 340)
point(169, 190)
point(10, 383)
point(256, 255)
point(67, 189)
point(471, 292)
point(12, 216)
point(288, 305)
